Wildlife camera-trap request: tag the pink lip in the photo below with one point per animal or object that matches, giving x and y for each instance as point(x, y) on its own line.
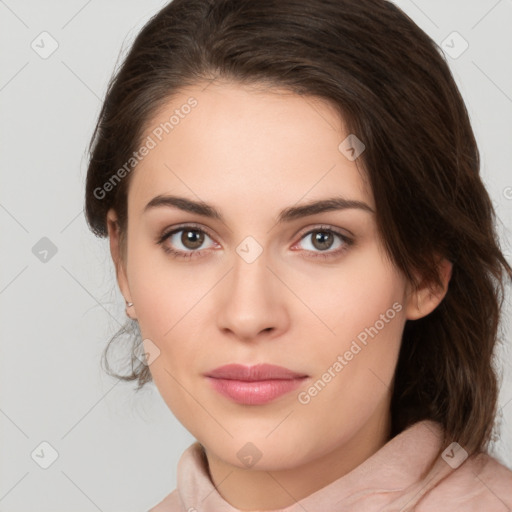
point(254, 385)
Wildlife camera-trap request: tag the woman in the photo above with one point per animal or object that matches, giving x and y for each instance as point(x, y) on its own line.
point(292, 196)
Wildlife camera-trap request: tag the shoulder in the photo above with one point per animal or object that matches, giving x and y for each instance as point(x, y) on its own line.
point(480, 483)
point(171, 503)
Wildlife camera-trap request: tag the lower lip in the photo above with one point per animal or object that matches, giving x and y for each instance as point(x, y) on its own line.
point(256, 392)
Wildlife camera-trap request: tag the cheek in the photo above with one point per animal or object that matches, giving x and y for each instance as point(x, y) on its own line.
point(352, 297)
point(160, 293)
point(362, 306)
point(167, 301)
point(167, 313)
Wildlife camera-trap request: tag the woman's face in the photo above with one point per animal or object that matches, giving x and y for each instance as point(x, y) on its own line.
point(265, 281)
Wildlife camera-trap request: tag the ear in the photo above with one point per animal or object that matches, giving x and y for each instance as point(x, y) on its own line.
point(117, 257)
point(427, 297)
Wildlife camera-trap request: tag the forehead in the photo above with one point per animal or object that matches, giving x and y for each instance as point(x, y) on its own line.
point(246, 145)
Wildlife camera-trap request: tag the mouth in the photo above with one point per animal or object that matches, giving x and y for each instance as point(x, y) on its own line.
point(254, 385)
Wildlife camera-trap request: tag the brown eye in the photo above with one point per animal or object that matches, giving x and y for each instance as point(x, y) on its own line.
point(322, 240)
point(192, 238)
point(185, 242)
point(324, 243)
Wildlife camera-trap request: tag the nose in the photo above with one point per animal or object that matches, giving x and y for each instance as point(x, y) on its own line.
point(252, 301)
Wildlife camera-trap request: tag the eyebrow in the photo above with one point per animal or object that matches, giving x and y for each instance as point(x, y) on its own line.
point(286, 215)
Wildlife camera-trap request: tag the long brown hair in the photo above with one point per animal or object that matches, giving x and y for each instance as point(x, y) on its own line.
point(393, 88)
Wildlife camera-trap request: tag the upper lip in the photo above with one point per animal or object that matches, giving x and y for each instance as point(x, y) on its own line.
point(254, 373)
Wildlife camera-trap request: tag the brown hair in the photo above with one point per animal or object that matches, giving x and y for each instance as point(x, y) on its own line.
point(394, 89)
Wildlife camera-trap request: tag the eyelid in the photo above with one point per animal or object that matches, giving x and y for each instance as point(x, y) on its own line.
point(324, 227)
point(346, 242)
point(180, 227)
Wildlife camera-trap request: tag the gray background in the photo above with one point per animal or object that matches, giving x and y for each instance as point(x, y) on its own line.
point(117, 450)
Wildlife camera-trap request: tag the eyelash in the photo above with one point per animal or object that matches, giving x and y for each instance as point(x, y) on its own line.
point(198, 253)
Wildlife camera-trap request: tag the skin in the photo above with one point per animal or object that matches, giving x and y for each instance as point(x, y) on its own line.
point(251, 153)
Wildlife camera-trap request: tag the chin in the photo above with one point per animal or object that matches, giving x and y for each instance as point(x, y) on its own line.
point(259, 452)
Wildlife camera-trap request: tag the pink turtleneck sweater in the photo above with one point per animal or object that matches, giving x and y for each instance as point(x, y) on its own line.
point(394, 478)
